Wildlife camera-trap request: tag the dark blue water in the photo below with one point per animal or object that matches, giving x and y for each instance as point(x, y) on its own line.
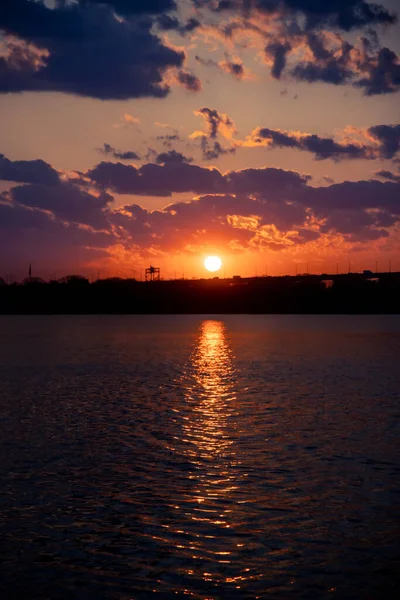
point(235, 457)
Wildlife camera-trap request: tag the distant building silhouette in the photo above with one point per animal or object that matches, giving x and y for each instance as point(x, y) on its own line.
point(152, 274)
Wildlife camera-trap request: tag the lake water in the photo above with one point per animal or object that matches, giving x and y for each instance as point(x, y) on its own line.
point(236, 457)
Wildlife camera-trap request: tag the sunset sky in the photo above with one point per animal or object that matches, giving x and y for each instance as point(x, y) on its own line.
point(138, 132)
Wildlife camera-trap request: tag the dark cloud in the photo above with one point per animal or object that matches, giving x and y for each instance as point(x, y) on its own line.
point(332, 72)
point(249, 209)
point(213, 149)
point(345, 14)
point(275, 138)
point(389, 138)
point(28, 171)
point(352, 195)
point(233, 67)
point(29, 235)
point(107, 149)
point(388, 175)
point(267, 219)
point(172, 156)
point(386, 136)
point(168, 139)
point(207, 62)
point(322, 148)
point(357, 226)
point(264, 181)
point(342, 14)
point(216, 124)
point(334, 60)
point(357, 210)
point(329, 65)
point(128, 8)
point(157, 180)
point(189, 81)
point(215, 121)
point(83, 49)
point(168, 23)
point(128, 155)
point(66, 201)
point(382, 74)
point(278, 52)
point(377, 73)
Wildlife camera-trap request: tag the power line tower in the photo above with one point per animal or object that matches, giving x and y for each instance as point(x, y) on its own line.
point(152, 274)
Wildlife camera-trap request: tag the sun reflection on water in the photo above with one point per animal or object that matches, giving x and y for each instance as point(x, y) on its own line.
point(208, 442)
point(212, 391)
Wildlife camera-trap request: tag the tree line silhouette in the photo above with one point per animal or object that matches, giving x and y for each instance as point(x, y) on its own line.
point(74, 294)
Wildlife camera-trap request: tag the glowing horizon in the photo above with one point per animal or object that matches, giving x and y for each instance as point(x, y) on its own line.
point(219, 144)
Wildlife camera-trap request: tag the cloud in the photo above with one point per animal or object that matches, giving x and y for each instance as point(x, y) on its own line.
point(168, 23)
point(382, 73)
point(331, 59)
point(231, 221)
point(86, 49)
point(212, 149)
point(189, 81)
point(168, 138)
point(65, 201)
point(278, 52)
point(130, 119)
point(240, 221)
point(385, 143)
point(388, 136)
point(388, 175)
point(276, 182)
point(156, 180)
point(233, 67)
point(342, 14)
point(216, 124)
point(251, 209)
point(313, 50)
point(352, 195)
point(127, 8)
point(30, 235)
point(128, 155)
point(28, 171)
point(172, 156)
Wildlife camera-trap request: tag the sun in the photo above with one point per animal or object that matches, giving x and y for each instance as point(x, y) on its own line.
point(213, 263)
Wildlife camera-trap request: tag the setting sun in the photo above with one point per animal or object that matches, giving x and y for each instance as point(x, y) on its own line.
point(213, 263)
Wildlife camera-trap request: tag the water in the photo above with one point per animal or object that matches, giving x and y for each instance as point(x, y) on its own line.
point(234, 457)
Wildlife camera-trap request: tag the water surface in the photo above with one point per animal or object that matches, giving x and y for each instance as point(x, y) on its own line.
point(217, 457)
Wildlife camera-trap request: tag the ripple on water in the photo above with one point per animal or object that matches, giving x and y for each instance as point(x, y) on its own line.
point(237, 457)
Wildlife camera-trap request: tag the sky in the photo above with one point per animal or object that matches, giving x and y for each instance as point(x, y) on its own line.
point(138, 132)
